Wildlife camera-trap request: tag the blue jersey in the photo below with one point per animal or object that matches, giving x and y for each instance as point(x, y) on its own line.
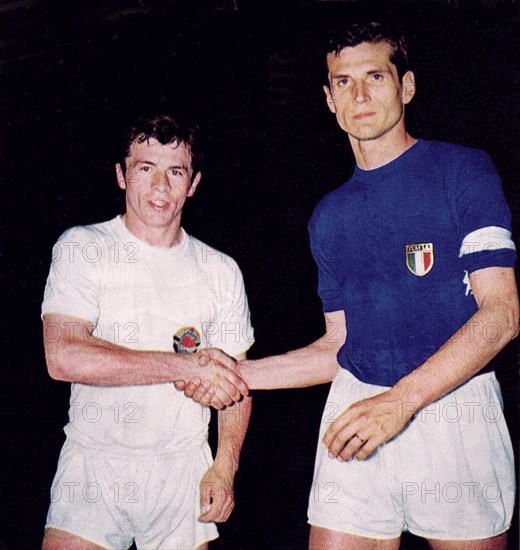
point(394, 247)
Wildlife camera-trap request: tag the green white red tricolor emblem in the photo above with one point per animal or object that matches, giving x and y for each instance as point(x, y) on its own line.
point(419, 258)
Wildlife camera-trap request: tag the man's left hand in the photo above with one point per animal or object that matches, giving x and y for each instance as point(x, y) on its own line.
point(367, 424)
point(216, 496)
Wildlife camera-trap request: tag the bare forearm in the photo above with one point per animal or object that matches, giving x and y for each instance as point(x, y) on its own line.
point(464, 355)
point(308, 366)
point(233, 422)
point(103, 363)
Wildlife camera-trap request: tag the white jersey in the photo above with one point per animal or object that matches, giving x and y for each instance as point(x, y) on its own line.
point(144, 298)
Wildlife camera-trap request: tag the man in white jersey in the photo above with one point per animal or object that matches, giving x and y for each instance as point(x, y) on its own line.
point(131, 306)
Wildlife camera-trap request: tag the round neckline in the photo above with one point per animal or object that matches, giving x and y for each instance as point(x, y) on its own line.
point(377, 174)
point(123, 230)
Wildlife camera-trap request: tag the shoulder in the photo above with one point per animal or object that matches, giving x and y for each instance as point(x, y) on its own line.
point(328, 206)
point(456, 153)
point(211, 259)
point(86, 233)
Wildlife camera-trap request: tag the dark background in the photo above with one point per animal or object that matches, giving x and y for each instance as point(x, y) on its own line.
point(73, 72)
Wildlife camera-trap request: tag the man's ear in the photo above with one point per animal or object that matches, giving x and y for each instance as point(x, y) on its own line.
point(120, 176)
point(194, 184)
point(330, 101)
point(408, 87)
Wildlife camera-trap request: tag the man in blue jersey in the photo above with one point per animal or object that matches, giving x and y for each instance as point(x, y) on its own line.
point(416, 277)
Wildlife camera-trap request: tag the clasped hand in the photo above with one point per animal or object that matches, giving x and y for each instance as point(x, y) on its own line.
point(215, 382)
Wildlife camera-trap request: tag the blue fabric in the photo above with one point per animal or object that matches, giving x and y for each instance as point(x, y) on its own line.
point(434, 193)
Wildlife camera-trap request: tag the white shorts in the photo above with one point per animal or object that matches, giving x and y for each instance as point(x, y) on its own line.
point(448, 475)
point(114, 500)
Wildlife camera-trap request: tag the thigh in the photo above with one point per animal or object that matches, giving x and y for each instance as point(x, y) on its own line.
point(493, 543)
point(327, 539)
point(170, 502)
point(56, 539)
point(458, 480)
point(82, 502)
point(356, 496)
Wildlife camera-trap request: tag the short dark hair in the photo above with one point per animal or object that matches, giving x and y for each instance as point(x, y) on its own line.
point(372, 32)
point(165, 129)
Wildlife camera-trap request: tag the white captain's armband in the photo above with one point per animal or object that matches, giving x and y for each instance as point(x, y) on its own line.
point(486, 238)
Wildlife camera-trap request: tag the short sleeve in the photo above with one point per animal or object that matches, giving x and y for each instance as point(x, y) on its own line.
point(329, 280)
point(233, 332)
point(484, 216)
point(73, 285)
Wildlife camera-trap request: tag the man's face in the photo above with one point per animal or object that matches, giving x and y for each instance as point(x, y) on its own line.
point(365, 92)
point(157, 183)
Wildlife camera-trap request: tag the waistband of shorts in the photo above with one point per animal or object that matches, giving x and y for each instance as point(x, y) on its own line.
point(131, 453)
point(481, 376)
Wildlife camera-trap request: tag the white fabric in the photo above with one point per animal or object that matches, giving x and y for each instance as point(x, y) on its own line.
point(486, 238)
point(139, 296)
point(110, 500)
point(449, 475)
point(151, 438)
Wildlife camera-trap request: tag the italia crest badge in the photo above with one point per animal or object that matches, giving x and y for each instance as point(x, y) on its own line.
point(186, 340)
point(419, 258)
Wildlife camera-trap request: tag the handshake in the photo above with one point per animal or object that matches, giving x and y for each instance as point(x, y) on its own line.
point(213, 379)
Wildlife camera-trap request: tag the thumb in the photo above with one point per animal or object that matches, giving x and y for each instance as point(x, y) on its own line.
point(204, 358)
point(206, 497)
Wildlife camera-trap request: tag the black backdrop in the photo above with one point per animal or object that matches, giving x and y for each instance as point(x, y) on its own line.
point(73, 74)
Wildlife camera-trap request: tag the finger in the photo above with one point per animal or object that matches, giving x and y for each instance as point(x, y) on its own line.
point(201, 390)
point(204, 395)
point(203, 358)
point(213, 511)
point(205, 498)
point(365, 452)
point(237, 381)
point(222, 358)
point(338, 426)
point(369, 447)
point(343, 442)
point(354, 445)
point(192, 386)
point(217, 403)
point(179, 384)
point(221, 507)
point(228, 392)
point(223, 396)
point(224, 512)
point(212, 398)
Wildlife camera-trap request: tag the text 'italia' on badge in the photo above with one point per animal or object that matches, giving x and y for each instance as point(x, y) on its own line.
point(186, 340)
point(419, 258)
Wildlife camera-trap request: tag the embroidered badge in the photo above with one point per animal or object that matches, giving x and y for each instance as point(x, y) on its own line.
point(186, 340)
point(419, 258)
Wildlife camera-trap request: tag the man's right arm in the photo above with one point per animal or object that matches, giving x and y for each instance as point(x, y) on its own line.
point(74, 354)
point(313, 364)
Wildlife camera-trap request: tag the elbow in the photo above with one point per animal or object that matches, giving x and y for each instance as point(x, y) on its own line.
point(511, 326)
point(515, 327)
point(331, 366)
point(514, 318)
point(57, 365)
point(57, 371)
